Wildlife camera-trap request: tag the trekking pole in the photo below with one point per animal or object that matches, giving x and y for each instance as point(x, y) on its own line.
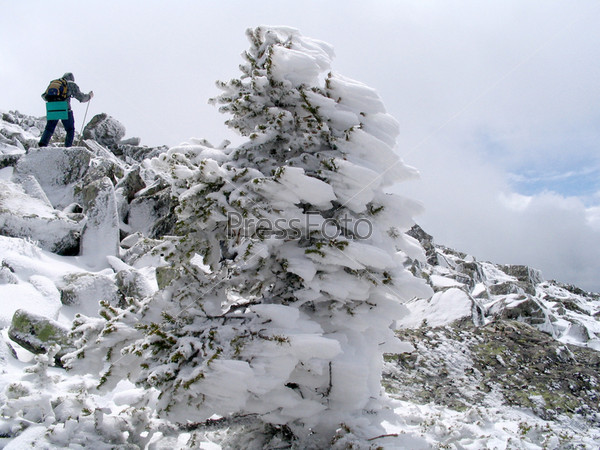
point(83, 123)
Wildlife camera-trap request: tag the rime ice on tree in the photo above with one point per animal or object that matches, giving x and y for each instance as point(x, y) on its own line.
point(287, 314)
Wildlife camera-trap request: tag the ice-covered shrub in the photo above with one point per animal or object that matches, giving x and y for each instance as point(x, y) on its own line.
point(286, 271)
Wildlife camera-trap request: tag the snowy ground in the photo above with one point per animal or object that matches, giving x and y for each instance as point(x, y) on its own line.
point(412, 425)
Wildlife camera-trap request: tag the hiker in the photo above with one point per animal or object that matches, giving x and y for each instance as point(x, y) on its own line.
point(62, 90)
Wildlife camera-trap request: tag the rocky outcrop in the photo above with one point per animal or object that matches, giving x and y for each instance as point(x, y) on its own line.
point(506, 292)
point(426, 241)
point(498, 335)
point(77, 201)
point(19, 132)
point(461, 365)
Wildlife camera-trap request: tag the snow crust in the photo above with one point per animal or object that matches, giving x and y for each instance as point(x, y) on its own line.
point(443, 308)
point(35, 273)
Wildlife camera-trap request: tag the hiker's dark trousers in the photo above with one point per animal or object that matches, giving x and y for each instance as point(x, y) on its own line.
point(69, 125)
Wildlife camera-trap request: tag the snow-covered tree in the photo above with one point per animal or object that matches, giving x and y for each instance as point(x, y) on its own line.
point(280, 288)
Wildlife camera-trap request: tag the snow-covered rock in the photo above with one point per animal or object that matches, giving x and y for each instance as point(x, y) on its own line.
point(85, 291)
point(105, 130)
point(58, 170)
point(38, 334)
point(133, 283)
point(503, 292)
point(445, 307)
point(18, 132)
point(150, 211)
point(101, 234)
point(131, 183)
point(25, 216)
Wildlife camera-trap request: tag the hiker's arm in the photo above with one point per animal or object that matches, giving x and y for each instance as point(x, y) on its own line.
point(76, 92)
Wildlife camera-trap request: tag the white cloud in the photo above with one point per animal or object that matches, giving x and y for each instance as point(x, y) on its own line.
point(470, 206)
point(593, 218)
point(515, 202)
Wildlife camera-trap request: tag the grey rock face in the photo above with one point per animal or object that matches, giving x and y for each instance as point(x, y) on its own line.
point(426, 241)
point(131, 183)
point(150, 212)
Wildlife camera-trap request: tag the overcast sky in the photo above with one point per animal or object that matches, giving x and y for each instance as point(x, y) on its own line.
point(498, 102)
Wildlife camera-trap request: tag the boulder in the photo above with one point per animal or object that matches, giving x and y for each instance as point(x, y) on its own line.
point(38, 334)
point(132, 283)
point(131, 183)
point(151, 211)
point(86, 290)
point(105, 130)
point(134, 141)
point(443, 308)
point(165, 275)
point(523, 273)
point(526, 310)
point(527, 277)
point(57, 170)
point(142, 251)
point(472, 270)
point(32, 187)
point(505, 288)
point(139, 153)
point(24, 216)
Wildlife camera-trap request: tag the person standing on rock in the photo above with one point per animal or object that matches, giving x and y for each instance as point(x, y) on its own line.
point(67, 88)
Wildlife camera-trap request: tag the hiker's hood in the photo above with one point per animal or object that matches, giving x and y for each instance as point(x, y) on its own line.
point(69, 76)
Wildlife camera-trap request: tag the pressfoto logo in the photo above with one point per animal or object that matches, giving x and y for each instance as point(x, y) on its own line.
point(312, 223)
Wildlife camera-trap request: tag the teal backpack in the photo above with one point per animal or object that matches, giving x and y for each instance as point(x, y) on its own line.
point(57, 110)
